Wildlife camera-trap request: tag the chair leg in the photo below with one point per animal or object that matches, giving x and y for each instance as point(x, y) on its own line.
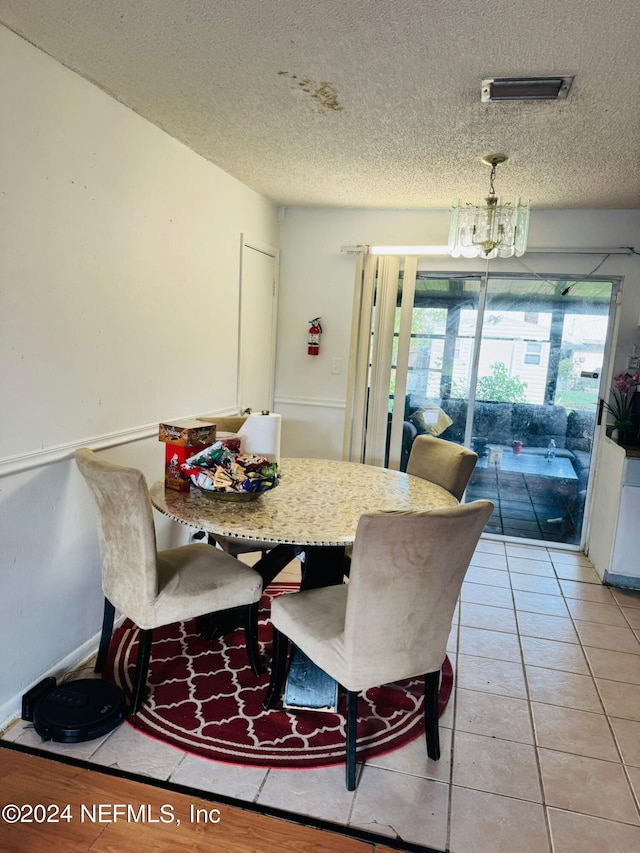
point(431, 689)
point(278, 669)
point(251, 638)
point(105, 637)
point(142, 668)
point(352, 723)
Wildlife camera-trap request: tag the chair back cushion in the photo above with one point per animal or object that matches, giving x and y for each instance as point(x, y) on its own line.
point(406, 573)
point(442, 462)
point(126, 532)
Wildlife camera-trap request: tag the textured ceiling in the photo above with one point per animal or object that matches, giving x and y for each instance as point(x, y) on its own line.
point(370, 103)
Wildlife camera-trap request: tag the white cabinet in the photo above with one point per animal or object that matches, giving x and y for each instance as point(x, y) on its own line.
point(613, 544)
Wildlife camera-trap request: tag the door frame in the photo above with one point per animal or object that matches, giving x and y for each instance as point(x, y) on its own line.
point(248, 244)
point(356, 421)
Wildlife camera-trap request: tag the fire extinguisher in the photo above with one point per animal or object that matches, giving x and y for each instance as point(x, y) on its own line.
point(315, 330)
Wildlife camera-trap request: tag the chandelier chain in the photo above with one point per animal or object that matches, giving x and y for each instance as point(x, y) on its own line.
point(492, 176)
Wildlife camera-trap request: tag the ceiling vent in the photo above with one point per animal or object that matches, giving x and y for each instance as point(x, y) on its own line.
point(525, 88)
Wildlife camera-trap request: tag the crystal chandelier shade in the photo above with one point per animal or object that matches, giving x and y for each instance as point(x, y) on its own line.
point(492, 227)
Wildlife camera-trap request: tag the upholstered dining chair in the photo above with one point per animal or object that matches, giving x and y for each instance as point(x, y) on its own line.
point(442, 462)
point(392, 620)
point(155, 588)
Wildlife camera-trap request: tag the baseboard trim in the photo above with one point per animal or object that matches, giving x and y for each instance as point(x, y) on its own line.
point(623, 581)
point(11, 710)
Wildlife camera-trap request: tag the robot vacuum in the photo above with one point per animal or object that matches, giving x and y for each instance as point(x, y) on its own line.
point(80, 710)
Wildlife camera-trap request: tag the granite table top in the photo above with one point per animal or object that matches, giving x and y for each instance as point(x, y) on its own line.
point(318, 502)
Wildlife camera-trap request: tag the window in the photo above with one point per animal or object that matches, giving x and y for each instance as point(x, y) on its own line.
point(532, 353)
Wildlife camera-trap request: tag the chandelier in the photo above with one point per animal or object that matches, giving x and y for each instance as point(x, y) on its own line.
point(492, 227)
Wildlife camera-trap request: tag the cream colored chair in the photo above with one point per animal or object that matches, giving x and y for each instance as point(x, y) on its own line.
point(392, 620)
point(442, 462)
point(155, 588)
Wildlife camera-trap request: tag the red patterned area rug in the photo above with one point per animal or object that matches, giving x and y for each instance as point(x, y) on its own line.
point(205, 700)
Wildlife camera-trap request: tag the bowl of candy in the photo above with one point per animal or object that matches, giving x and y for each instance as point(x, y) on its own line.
point(226, 474)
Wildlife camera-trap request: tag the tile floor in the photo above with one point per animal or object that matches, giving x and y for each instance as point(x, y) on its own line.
point(540, 741)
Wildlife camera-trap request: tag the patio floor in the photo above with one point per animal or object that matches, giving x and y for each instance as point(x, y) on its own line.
point(529, 506)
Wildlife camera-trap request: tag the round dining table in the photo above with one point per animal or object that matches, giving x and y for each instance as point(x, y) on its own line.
point(312, 514)
point(315, 508)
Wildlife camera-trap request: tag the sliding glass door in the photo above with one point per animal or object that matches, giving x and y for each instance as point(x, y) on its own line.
point(510, 366)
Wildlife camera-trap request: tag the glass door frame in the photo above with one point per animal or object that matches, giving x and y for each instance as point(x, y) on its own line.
point(378, 375)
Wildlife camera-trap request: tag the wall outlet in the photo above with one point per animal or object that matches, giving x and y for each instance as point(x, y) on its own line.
point(633, 362)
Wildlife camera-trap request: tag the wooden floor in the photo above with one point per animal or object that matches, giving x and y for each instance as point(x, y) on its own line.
point(109, 814)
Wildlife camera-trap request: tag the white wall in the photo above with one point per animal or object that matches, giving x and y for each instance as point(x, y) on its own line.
point(316, 279)
point(119, 277)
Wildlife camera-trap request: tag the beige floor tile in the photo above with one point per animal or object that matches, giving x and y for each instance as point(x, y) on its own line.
point(632, 615)
point(25, 735)
point(591, 611)
point(447, 718)
point(489, 823)
point(489, 546)
point(413, 759)
point(547, 627)
point(587, 785)
point(578, 732)
point(616, 666)
point(584, 574)
point(496, 766)
point(494, 596)
point(607, 637)
point(577, 833)
point(569, 558)
point(452, 642)
point(626, 597)
point(627, 734)
point(491, 618)
point(587, 591)
point(493, 716)
point(489, 644)
point(393, 804)
point(551, 654)
point(567, 689)
point(634, 776)
point(490, 577)
point(522, 565)
point(17, 729)
point(503, 678)
point(620, 700)
point(534, 583)
point(528, 552)
point(126, 749)
point(320, 793)
point(231, 780)
point(484, 560)
point(533, 602)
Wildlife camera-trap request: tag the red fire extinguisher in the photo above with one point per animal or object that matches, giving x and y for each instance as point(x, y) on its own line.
point(315, 330)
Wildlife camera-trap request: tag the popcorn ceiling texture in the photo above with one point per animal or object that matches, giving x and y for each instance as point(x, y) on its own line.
point(369, 103)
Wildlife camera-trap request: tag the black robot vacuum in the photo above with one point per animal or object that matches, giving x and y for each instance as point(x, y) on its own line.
point(74, 711)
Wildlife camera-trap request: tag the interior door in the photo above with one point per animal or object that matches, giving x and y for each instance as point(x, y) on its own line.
point(258, 304)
